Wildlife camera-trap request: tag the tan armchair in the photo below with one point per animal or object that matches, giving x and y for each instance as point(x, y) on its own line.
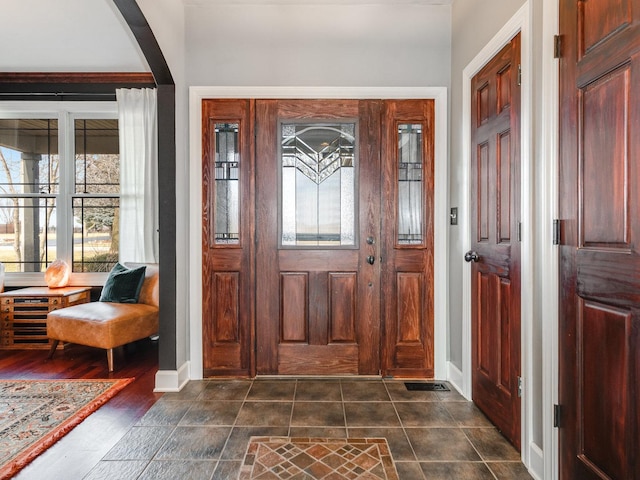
point(108, 325)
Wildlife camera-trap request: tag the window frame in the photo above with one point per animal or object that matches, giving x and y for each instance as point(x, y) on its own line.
point(66, 113)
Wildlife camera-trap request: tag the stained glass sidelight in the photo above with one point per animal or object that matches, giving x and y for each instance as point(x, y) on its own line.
point(410, 185)
point(318, 180)
point(227, 192)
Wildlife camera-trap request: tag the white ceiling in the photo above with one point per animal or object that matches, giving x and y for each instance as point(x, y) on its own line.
point(66, 36)
point(91, 36)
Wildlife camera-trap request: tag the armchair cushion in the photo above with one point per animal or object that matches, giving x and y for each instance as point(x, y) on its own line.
point(123, 284)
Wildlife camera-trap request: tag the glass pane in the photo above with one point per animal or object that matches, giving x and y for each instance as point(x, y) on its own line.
point(97, 160)
point(318, 184)
point(29, 164)
point(26, 245)
point(95, 234)
point(410, 185)
point(227, 192)
point(28, 156)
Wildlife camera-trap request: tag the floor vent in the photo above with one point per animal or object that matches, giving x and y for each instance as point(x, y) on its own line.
point(429, 387)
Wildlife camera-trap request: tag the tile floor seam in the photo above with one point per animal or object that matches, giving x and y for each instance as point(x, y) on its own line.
point(344, 411)
point(146, 467)
point(404, 431)
point(454, 419)
point(233, 427)
point(153, 457)
point(478, 452)
point(293, 405)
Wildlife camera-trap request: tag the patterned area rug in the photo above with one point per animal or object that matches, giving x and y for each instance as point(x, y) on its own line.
point(317, 458)
point(34, 414)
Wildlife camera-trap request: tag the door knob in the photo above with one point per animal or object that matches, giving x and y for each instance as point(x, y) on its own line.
point(371, 259)
point(471, 256)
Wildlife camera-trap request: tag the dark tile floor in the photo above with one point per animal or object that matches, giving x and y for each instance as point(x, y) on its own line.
point(202, 432)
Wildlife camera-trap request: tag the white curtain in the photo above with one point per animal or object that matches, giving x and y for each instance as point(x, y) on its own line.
point(138, 175)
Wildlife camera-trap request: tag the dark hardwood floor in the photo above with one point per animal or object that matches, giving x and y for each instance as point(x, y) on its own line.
point(81, 449)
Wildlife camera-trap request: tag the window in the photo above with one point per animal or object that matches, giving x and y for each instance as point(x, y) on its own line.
point(59, 188)
point(318, 202)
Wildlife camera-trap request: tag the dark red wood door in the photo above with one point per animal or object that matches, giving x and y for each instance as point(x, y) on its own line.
point(317, 217)
point(599, 331)
point(495, 254)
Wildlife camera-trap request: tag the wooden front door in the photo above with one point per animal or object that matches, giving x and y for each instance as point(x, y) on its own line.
point(599, 331)
point(318, 255)
point(318, 227)
point(495, 254)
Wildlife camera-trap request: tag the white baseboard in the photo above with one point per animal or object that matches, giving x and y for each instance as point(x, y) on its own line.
point(536, 461)
point(172, 380)
point(454, 377)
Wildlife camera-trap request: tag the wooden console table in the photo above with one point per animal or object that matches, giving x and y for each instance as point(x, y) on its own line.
point(23, 314)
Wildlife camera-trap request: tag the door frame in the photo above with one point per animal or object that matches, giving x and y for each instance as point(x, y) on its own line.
point(549, 205)
point(441, 198)
point(520, 22)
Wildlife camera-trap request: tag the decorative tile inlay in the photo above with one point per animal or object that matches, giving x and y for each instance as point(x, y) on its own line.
point(318, 458)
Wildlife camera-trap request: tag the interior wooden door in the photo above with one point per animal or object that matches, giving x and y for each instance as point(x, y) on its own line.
point(495, 254)
point(599, 331)
point(318, 221)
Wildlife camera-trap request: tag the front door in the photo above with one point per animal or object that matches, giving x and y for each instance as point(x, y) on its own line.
point(318, 249)
point(495, 254)
point(317, 234)
point(599, 326)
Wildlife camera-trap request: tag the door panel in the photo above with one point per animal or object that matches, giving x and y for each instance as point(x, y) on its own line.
point(496, 264)
point(407, 239)
point(599, 331)
point(227, 237)
point(313, 315)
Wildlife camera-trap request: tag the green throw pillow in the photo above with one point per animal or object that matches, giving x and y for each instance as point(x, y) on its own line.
point(123, 284)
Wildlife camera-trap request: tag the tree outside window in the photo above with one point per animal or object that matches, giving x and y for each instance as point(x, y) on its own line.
point(59, 203)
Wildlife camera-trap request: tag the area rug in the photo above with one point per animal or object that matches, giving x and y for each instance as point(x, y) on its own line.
point(34, 414)
point(317, 458)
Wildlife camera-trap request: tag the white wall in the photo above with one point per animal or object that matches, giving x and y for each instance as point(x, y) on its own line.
point(317, 44)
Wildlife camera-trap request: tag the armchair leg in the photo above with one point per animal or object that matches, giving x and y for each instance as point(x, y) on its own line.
point(110, 359)
point(54, 346)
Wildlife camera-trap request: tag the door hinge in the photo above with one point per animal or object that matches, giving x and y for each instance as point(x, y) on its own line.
point(520, 387)
point(519, 75)
point(557, 412)
point(557, 45)
point(556, 232)
point(519, 231)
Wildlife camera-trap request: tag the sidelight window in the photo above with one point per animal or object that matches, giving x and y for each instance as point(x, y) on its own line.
point(227, 190)
point(410, 185)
